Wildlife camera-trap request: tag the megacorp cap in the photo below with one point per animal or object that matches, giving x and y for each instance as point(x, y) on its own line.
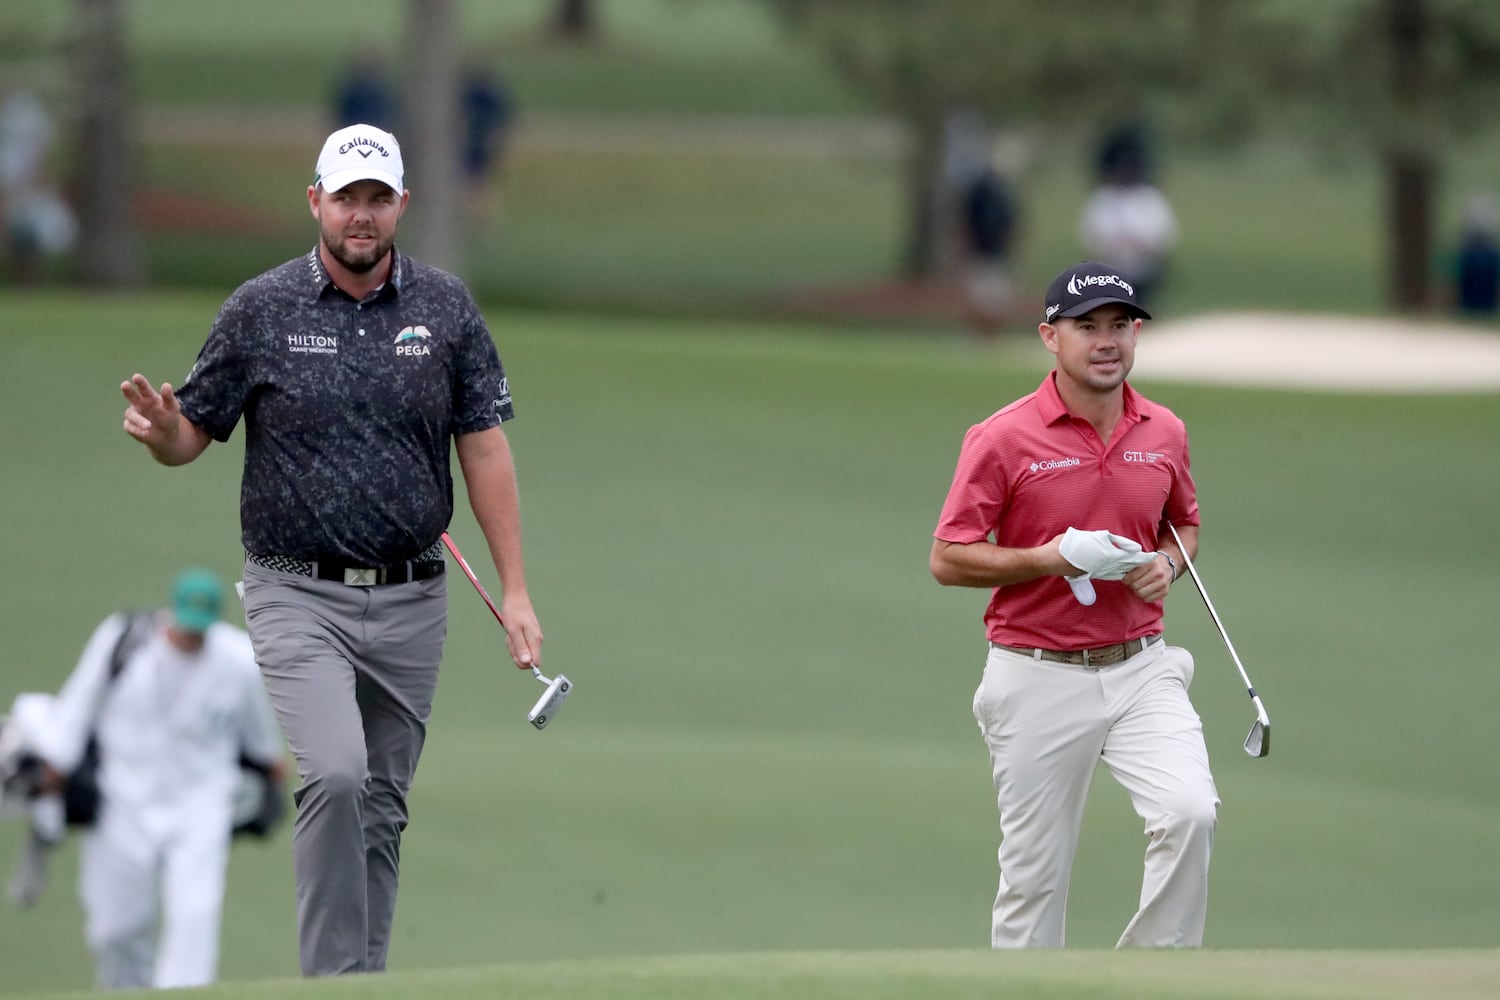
point(1085, 287)
point(197, 600)
point(360, 153)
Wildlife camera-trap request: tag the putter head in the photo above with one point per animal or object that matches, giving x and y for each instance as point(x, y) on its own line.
point(550, 703)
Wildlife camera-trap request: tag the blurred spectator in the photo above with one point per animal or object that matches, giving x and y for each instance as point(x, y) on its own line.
point(161, 744)
point(484, 123)
point(26, 134)
point(987, 215)
point(38, 222)
point(1129, 224)
point(1476, 278)
point(1124, 154)
point(364, 95)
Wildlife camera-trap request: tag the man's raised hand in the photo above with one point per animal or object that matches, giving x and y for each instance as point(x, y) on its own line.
point(155, 420)
point(152, 417)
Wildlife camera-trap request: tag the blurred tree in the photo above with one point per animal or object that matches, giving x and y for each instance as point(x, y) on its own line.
point(430, 146)
point(1405, 79)
point(1076, 66)
point(574, 20)
point(109, 252)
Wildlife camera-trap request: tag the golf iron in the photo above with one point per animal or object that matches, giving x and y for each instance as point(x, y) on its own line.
point(558, 688)
point(1258, 743)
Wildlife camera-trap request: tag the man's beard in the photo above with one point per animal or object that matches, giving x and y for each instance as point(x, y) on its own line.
point(358, 263)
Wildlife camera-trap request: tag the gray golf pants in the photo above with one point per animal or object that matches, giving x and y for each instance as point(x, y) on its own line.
point(351, 672)
point(1047, 726)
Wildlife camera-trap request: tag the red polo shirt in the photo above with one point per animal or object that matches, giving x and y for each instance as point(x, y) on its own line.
point(1033, 470)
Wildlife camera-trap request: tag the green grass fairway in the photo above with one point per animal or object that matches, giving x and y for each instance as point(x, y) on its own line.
point(930, 975)
point(770, 748)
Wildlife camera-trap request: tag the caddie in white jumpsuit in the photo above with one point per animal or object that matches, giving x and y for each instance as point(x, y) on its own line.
point(171, 727)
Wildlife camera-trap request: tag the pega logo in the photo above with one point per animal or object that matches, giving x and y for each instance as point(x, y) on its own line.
point(1054, 463)
point(1151, 457)
point(1077, 283)
point(409, 342)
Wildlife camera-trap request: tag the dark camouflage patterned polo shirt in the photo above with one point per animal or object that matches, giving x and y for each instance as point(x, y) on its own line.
point(349, 407)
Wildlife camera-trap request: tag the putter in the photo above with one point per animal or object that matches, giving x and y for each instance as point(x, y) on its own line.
point(551, 700)
point(558, 688)
point(1258, 743)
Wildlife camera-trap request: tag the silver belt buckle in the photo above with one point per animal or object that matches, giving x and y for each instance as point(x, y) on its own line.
point(359, 577)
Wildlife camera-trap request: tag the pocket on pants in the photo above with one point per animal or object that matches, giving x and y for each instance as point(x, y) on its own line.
point(993, 699)
point(1181, 663)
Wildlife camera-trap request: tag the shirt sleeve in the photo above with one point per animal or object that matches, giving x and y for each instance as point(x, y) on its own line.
point(481, 392)
point(214, 392)
point(1182, 500)
point(978, 493)
point(76, 710)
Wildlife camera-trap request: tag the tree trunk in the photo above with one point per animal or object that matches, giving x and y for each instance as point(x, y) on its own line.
point(1411, 170)
point(1410, 179)
point(574, 20)
point(922, 258)
point(109, 250)
point(430, 147)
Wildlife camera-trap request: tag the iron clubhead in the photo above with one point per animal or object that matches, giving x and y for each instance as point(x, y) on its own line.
point(1258, 743)
point(551, 701)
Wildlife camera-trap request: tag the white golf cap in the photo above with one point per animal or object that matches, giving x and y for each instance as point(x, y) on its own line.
point(360, 153)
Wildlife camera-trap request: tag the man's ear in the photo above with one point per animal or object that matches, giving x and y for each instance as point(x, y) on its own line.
point(1048, 333)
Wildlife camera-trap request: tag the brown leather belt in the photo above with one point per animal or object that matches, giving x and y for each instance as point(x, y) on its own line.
point(1100, 656)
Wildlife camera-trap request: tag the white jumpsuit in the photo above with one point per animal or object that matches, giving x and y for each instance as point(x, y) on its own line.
point(171, 727)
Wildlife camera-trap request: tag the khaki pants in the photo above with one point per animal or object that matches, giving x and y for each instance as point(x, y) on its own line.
point(1047, 725)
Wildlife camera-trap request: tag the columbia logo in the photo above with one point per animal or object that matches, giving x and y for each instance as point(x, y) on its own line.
point(1054, 463)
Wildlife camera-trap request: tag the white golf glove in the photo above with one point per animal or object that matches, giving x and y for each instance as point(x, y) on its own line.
point(1102, 555)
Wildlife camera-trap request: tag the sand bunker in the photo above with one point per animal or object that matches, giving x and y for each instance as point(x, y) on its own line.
point(1287, 351)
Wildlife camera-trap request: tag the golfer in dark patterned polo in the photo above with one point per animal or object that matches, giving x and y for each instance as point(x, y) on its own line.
point(352, 366)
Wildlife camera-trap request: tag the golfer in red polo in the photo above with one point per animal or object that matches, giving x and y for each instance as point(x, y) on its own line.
point(1079, 480)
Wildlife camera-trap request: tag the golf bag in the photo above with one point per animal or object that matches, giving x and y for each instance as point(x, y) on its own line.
point(260, 804)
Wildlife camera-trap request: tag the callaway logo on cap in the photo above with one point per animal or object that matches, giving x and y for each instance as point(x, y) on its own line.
point(1087, 286)
point(359, 153)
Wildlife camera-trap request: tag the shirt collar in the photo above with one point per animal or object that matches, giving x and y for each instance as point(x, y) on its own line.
point(1053, 409)
point(321, 282)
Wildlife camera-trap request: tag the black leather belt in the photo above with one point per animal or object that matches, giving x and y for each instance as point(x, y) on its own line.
point(375, 576)
point(1099, 656)
point(353, 576)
